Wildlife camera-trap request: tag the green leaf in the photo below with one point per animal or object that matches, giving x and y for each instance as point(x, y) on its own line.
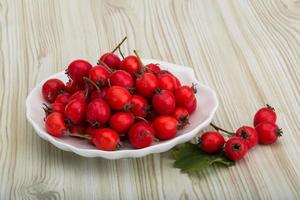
point(188, 157)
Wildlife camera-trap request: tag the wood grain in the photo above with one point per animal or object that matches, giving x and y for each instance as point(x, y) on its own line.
point(248, 51)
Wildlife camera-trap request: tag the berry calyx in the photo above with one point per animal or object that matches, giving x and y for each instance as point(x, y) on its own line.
point(235, 148)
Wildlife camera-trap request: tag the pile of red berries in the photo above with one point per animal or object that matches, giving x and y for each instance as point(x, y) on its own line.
point(117, 100)
point(265, 132)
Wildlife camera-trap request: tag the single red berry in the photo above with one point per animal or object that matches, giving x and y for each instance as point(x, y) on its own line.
point(72, 87)
point(165, 127)
point(111, 60)
point(266, 114)
point(139, 106)
point(51, 88)
point(121, 78)
point(105, 139)
point(164, 102)
point(99, 93)
point(118, 97)
point(63, 98)
point(121, 122)
point(98, 112)
point(235, 148)
point(58, 107)
point(249, 135)
point(153, 68)
point(79, 95)
point(167, 82)
point(55, 124)
point(212, 142)
point(99, 75)
point(146, 84)
point(267, 132)
point(141, 135)
point(182, 116)
point(77, 70)
point(131, 64)
point(75, 111)
point(185, 98)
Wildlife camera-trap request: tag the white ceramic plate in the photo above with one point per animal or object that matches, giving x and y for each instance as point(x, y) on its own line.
point(207, 106)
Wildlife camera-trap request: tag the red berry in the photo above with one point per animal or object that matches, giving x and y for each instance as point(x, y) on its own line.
point(235, 148)
point(153, 68)
point(51, 88)
point(77, 129)
point(75, 111)
point(118, 97)
point(111, 60)
point(121, 122)
point(97, 112)
point(72, 87)
point(185, 98)
point(266, 114)
point(105, 139)
point(139, 106)
point(249, 135)
point(131, 64)
point(99, 94)
point(121, 78)
point(211, 142)
point(182, 116)
point(63, 98)
point(79, 95)
point(267, 132)
point(164, 102)
point(165, 127)
point(58, 107)
point(77, 70)
point(99, 75)
point(141, 135)
point(167, 82)
point(55, 124)
point(146, 84)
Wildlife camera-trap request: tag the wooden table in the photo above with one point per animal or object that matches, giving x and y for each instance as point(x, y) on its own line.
point(248, 51)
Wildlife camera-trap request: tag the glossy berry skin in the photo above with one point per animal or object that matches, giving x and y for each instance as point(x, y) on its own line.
point(118, 97)
point(77, 70)
point(111, 60)
point(249, 135)
point(121, 78)
point(212, 142)
point(75, 111)
point(121, 122)
point(99, 75)
point(97, 112)
point(99, 94)
point(163, 102)
point(185, 98)
point(105, 139)
point(235, 148)
point(146, 84)
point(153, 68)
point(167, 82)
point(79, 95)
point(266, 114)
point(63, 98)
point(267, 132)
point(181, 115)
point(55, 124)
point(165, 127)
point(72, 87)
point(51, 89)
point(139, 106)
point(58, 107)
point(141, 135)
point(131, 64)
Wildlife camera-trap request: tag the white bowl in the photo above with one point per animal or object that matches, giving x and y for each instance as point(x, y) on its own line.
point(207, 106)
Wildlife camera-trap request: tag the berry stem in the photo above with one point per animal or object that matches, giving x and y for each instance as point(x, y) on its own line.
point(121, 53)
point(100, 62)
point(118, 46)
point(88, 137)
point(220, 129)
point(139, 58)
point(87, 80)
point(141, 118)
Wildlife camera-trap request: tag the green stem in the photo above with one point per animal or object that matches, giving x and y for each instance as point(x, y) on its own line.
point(221, 129)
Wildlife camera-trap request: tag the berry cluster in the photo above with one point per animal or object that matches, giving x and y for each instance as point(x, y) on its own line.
point(265, 132)
point(116, 100)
